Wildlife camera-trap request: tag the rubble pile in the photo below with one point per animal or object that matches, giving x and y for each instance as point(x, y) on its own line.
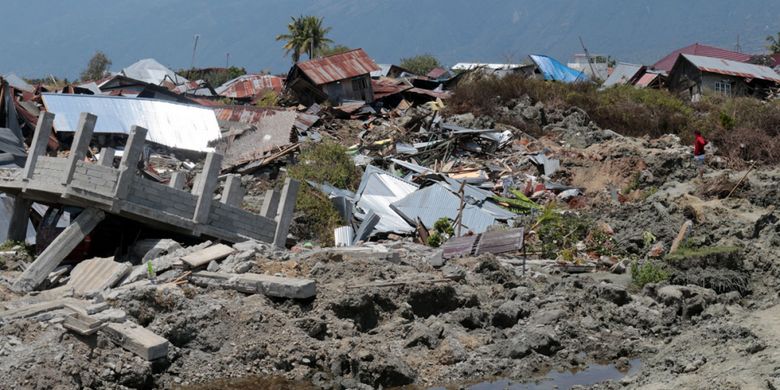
point(468, 251)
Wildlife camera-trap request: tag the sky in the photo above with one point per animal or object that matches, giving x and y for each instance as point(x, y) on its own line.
point(58, 37)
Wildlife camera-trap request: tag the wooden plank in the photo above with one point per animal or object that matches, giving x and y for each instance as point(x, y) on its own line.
point(51, 257)
point(205, 256)
point(137, 339)
point(458, 247)
point(500, 241)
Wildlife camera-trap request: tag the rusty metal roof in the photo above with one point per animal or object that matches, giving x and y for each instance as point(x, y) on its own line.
point(273, 128)
point(250, 85)
point(338, 67)
point(667, 63)
point(733, 68)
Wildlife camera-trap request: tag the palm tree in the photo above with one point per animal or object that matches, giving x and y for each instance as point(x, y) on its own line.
point(315, 36)
point(773, 43)
point(305, 34)
point(295, 37)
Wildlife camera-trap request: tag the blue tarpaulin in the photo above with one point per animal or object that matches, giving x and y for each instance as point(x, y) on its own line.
point(552, 69)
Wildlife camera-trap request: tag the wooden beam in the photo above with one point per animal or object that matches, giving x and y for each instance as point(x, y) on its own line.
point(60, 248)
point(39, 142)
point(78, 148)
point(285, 212)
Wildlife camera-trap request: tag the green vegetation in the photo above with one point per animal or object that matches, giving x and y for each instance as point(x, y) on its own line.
point(421, 64)
point(97, 68)
point(727, 122)
point(773, 43)
point(305, 34)
point(324, 162)
point(683, 252)
point(648, 272)
point(333, 50)
point(442, 231)
point(269, 99)
point(521, 204)
point(559, 231)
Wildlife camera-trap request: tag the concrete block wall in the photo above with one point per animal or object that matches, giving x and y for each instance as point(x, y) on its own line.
point(94, 177)
point(242, 222)
point(50, 169)
point(161, 197)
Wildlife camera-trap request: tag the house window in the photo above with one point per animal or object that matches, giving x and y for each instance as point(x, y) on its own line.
point(359, 84)
point(723, 87)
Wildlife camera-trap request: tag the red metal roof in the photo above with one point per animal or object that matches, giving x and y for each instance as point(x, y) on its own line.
point(646, 79)
point(665, 64)
point(251, 85)
point(338, 67)
point(436, 73)
point(385, 87)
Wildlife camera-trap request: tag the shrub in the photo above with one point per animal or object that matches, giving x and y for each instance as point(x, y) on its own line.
point(648, 272)
point(421, 64)
point(324, 162)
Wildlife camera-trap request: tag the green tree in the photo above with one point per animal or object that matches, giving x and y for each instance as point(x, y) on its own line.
point(773, 43)
point(97, 68)
point(333, 50)
point(305, 34)
point(421, 64)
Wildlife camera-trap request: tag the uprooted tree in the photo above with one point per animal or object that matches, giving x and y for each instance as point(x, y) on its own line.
point(421, 64)
point(97, 67)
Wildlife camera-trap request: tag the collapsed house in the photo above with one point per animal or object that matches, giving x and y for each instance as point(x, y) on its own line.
point(249, 87)
point(553, 70)
point(666, 63)
point(337, 78)
point(694, 75)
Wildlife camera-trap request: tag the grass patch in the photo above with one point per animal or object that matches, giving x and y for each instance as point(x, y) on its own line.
point(684, 253)
point(324, 162)
point(648, 272)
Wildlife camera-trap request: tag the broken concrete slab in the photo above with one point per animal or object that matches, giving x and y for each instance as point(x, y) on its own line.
point(164, 263)
point(152, 248)
point(111, 315)
point(273, 286)
point(95, 275)
point(82, 324)
point(204, 256)
point(373, 252)
point(39, 308)
point(137, 339)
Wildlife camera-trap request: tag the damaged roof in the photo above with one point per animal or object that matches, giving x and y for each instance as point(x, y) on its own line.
point(378, 189)
point(667, 63)
point(338, 67)
point(175, 125)
point(553, 69)
point(150, 71)
point(732, 68)
point(622, 74)
point(250, 85)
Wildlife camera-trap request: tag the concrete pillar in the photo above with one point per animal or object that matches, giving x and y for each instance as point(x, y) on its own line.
point(196, 183)
point(178, 180)
point(205, 187)
point(78, 148)
point(285, 212)
point(107, 157)
point(232, 193)
point(270, 204)
point(60, 248)
point(129, 163)
point(20, 217)
point(39, 142)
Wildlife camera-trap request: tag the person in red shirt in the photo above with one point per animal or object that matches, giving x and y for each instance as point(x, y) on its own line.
point(698, 152)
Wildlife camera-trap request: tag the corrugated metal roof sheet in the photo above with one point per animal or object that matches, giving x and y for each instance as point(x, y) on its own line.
point(646, 79)
point(667, 63)
point(250, 85)
point(176, 125)
point(732, 68)
point(153, 72)
point(18, 83)
point(338, 67)
point(378, 189)
point(622, 74)
point(95, 275)
point(273, 128)
point(475, 65)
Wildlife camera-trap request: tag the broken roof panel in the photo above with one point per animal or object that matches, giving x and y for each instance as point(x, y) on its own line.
point(250, 85)
point(622, 74)
point(475, 65)
point(150, 71)
point(18, 83)
point(175, 125)
point(554, 70)
point(378, 189)
point(732, 68)
point(338, 67)
point(272, 129)
point(647, 79)
point(667, 63)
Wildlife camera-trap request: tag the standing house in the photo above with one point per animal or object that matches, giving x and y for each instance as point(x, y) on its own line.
point(344, 76)
point(694, 75)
